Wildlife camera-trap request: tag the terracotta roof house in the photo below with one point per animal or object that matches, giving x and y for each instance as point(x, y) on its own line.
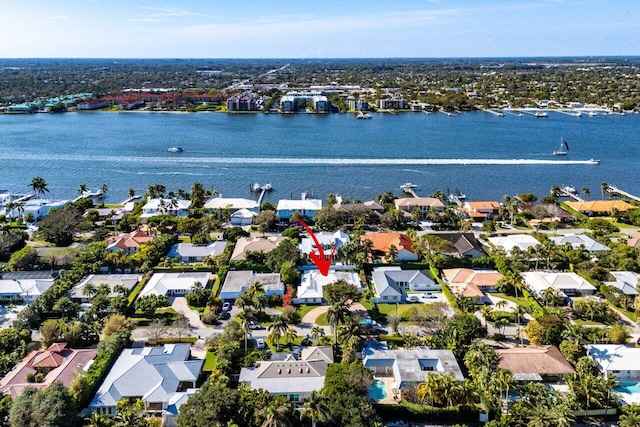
point(391, 283)
point(481, 210)
point(423, 204)
point(381, 242)
point(567, 283)
point(581, 240)
point(616, 359)
point(469, 283)
point(57, 362)
point(600, 206)
point(128, 242)
point(408, 367)
point(294, 378)
point(537, 363)
point(465, 244)
point(255, 244)
point(633, 240)
point(626, 282)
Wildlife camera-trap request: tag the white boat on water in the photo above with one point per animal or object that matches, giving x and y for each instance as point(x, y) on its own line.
point(268, 186)
point(175, 150)
point(564, 148)
point(362, 115)
point(255, 187)
point(540, 115)
point(594, 161)
point(407, 185)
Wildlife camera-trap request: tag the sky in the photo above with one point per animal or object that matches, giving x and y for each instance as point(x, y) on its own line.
point(317, 29)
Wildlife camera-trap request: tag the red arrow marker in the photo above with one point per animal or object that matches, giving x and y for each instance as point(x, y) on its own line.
point(320, 261)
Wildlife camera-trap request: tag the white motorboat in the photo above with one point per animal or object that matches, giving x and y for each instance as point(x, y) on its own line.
point(175, 150)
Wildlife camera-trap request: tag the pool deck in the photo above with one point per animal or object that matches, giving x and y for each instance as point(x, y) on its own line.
point(629, 398)
point(388, 387)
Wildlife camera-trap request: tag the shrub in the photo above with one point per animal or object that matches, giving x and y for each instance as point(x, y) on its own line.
point(209, 317)
point(291, 315)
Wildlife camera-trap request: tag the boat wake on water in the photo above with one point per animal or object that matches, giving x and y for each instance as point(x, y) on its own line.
point(309, 161)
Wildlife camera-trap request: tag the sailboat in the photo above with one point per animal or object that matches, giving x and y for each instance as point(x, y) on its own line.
point(564, 148)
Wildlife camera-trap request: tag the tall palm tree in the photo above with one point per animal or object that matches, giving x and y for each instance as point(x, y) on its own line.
point(316, 332)
point(604, 187)
point(561, 416)
point(336, 314)
point(103, 192)
point(277, 329)
point(290, 336)
point(486, 313)
point(585, 191)
point(315, 408)
point(82, 188)
point(39, 186)
point(277, 416)
point(131, 193)
point(246, 316)
point(392, 254)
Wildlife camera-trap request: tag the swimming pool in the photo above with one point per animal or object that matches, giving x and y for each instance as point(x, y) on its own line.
point(628, 387)
point(376, 390)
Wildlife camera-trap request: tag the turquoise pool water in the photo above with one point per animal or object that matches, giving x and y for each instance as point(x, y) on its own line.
point(376, 390)
point(628, 387)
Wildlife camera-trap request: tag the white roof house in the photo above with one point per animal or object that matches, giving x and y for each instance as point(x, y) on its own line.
point(391, 283)
point(568, 283)
point(237, 282)
point(233, 204)
point(307, 207)
point(190, 253)
point(310, 289)
point(579, 240)
point(174, 284)
point(157, 375)
point(409, 367)
point(293, 378)
point(327, 240)
point(27, 289)
point(242, 217)
point(626, 282)
point(616, 359)
point(522, 241)
point(176, 207)
point(127, 281)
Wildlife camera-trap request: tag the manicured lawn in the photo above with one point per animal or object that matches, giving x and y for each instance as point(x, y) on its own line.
point(322, 320)
point(582, 322)
point(304, 309)
point(210, 362)
point(630, 314)
point(284, 347)
point(386, 310)
point(525, 302)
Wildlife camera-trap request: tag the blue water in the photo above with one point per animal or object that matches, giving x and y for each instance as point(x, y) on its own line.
point(319, 154)
point(628, 387)
point(376, 390)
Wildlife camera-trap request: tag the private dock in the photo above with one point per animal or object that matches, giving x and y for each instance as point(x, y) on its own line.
point(408, 188)
point(494, 112)
point(571, 193)
point(615, 190)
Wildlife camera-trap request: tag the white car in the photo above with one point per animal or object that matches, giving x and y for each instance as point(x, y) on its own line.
point(413, 298)
point(260, 344)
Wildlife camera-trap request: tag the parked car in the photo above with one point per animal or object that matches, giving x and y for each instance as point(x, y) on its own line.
point(260, 344)
point(225, 315)
point(254, 325)
point(226, 306)
point(413, 298)
point(428, 295)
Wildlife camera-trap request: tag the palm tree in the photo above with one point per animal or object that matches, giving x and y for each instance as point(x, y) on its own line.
point(277, 329)
point(246, 316)
point(604, 187)
point(520, 311)
point(561, 416)
point(539, 417)
point(486, 313)
point(429, 390)
point(82, 188)
point(501, 324)
point(392, 254)
point(39, 186)
point(629, 419)
point(277, 416)
point(315, 408)
point(103, 192)
point(290, 336)
point(316, 332)
point(99, 420)
point(89, 290)
point(585, 191)
point(502, 304)
point(131, 193)
point(336, 314)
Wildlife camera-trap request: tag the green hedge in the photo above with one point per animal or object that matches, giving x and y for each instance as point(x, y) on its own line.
point(171, 340)
point(413, 412)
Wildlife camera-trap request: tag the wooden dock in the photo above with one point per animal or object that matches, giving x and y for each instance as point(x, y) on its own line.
point(615, 190)
point(564, 191)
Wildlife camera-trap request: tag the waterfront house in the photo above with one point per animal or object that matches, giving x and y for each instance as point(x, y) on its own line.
point(232, 204)
point(616, 359)
point(600, 207)
point(188, 253)
point(408, 367)
point(547, 212)
point(242, 217)
point(510, 241)
point(470, 283)
point(237, 282)
point(311, 286)
point(382, 242)
point(481, 210)
point(350, 212)
point(114, 281)
point(327, 240)
point(57, 363)
point(294, 378)
point(423, 204)
point(287, 208)
point(175, 207)
point(129, 242)
point(159, 376)
point(174, 284)
point(392, 283)
point(567, 283)
point(464, 245)
point(534, 363)
point(626, 282)
point(263, 245)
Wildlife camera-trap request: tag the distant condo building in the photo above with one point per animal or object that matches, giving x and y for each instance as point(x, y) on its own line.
point(395, 103)
point(245, 101)
point(357, 104)
point(296, 101)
